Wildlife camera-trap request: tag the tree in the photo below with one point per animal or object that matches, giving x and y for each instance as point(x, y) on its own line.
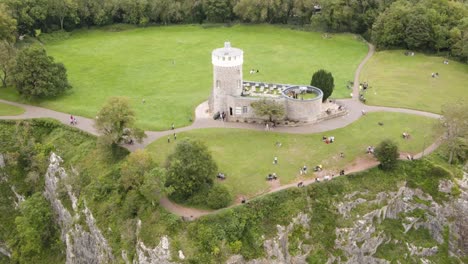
point(324, 81)
point(37, 75)
point(36, 233)
point(7, 61)
point(62, 9)
point(268, 108)
point(454, 123)
point(7, 25)
point(134, 168)
point(116, 122)
point(218, 197)
point(190, 168)
point(153, 187)
point(387, 153)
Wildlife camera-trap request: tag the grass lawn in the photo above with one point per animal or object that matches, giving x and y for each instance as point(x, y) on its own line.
point(170, 67)
point(247, 156)
point(403, 81)
point(9, 110)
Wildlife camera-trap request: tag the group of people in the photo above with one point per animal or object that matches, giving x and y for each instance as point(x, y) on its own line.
point(252, 71)
point(221, 176)
point(303, 170)
point(328, 139)
point(435, 74)
point(73, 120)
point(446, 62)
point(169, 138)
point(405, 135)
point(272, 176)
point(409, 53)
point(370, 150)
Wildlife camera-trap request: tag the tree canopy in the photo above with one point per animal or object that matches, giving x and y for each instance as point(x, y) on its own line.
point(454, 123)
point(7, 61)
point(38, 76)
point(387, 153)
point(269, 108)
point(35, 229)
point(324, 81)
point(116, 122)
point(190, 168)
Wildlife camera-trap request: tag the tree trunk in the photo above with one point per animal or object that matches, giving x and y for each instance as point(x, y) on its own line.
point(61, 22)
point(450, 157)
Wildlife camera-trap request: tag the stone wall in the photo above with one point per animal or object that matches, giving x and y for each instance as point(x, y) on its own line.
point(230, 83)
point(303, 110)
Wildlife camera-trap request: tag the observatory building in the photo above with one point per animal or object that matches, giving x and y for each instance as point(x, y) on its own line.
point(233, 95)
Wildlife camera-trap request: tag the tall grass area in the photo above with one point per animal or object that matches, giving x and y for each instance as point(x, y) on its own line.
point(170, 67)
point(405, 81)
point(246, 157)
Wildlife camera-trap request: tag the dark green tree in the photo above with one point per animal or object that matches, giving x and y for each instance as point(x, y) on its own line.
point(7, 61)
point(218, 197)
point(387, 153)
point(116, 122)
point(324, 81)
point(36, 232)
point(454, 124)
point(7, 24)
point(37, 75)
point(269, 108)
point(190, 168)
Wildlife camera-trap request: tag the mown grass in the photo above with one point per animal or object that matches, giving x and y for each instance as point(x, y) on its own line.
point(170, 67)
point(405, 81)
point(10, 110)
point(246, 157)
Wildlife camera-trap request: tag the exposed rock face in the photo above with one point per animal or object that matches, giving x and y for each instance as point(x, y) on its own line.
point(86, 244)
point(82, 246)
point(361, 241)
point(277, 248)
point(158, 255)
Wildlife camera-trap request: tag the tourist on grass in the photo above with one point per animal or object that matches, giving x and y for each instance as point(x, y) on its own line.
point(168, 139)
point(175, 136)
point(341, 155)
point(304, 169)
point(301, 171)
point(275, 160)
point(172, 126)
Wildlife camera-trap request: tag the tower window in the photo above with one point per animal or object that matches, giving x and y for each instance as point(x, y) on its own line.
point(244, 109)
point(218, 83)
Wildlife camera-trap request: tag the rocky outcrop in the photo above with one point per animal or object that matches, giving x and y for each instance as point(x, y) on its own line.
point(161, 254)
point(361, 241)
point(84, 244)
point(277, 248)
point(84, 240)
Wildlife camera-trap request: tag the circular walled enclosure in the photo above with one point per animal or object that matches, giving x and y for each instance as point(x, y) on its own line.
point(304, 110)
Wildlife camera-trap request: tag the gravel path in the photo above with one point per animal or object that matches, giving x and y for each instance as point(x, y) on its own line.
point(204, 120)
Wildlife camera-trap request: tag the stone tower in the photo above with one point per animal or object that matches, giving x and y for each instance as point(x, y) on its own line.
point(227, 76)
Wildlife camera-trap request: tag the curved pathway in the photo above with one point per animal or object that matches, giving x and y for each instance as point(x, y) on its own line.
point(204, 120)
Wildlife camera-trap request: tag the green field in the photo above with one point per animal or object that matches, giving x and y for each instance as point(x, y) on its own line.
point(404, 81)
point(247, 156)
point(8, 110)
point(170, 67)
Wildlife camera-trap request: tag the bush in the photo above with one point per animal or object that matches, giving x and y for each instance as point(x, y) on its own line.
point(218, 197)
point(387, 153)
point(324, 81)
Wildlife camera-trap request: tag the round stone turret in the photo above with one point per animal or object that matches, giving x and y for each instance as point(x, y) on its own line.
point(227, 76)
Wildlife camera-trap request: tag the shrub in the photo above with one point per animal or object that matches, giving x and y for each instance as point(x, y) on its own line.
point(387, 153)
point(218, 197)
